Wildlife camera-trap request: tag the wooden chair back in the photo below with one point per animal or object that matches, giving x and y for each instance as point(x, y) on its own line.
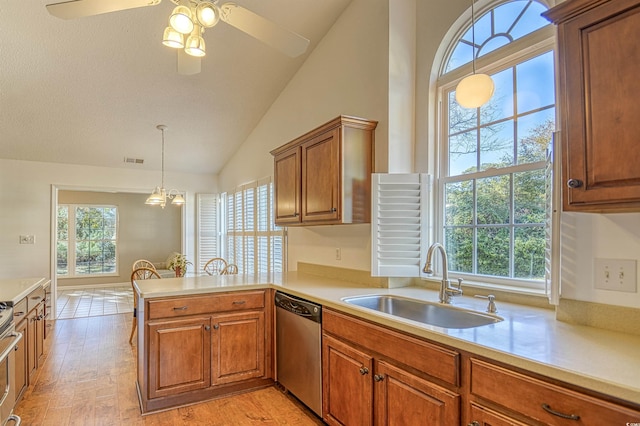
point(143, 263)
point(138, 274)
point(215, 266)
point(230, 269)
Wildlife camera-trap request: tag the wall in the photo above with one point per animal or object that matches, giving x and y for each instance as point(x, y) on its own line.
point(143, 232)
point(347, 73)
point(26, 188)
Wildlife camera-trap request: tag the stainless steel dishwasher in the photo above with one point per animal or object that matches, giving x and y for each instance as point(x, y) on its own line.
point(299, 350)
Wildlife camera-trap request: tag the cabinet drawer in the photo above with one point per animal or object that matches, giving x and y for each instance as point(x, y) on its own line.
point(35, 297)
point(530, 396)
point(428, 358)
point(20, 310)
point(194, 305)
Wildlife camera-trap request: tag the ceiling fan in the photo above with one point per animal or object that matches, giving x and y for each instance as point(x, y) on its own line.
point(188, 20)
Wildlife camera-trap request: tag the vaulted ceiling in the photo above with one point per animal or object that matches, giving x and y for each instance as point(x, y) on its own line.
point(91, 91)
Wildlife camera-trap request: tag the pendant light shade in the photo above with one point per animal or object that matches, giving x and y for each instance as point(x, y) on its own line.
point(195, 43)
point(207, 14)
point(181, 20)
point(172, 38)
point(159, 195)
point(474, 90)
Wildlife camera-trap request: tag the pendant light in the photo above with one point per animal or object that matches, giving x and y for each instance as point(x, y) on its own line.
point(474, 90)
point(159, 195)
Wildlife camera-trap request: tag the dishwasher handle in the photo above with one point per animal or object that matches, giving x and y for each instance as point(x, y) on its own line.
point(299, 307)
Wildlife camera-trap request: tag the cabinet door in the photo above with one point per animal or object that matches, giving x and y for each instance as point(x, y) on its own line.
point(30, 341)
point(321, 178)
point(347, 384)
point(179, 356)
point(287, 186)
point(40, 323)
point(481, 416)
point(238, 347)
point(599, 61)
point(402, 398)
point(21, 378)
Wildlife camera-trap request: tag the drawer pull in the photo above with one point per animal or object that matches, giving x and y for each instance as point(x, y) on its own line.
point(18, 314)
point(238, 302)
point(36, 297)
point(181, 308)
point(549, 410)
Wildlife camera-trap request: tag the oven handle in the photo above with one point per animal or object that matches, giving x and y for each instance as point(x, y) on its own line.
point(17, 421)
point(17, 337)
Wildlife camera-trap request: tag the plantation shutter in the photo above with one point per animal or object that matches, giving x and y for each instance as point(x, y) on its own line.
point(208, 229)
point(552, 229)
point(399, 224)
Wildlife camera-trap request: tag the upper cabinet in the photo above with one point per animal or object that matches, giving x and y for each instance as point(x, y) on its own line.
point(599, 56)
point(324, 176)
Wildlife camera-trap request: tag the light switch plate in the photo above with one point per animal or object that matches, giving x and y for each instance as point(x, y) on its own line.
point(615, 275)
point(27, 239)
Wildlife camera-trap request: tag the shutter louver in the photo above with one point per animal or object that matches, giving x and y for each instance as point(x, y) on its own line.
point(398, 224)
point(207, 228)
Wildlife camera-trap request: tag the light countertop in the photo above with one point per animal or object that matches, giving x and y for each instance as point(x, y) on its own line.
point(529, 338)
point(14, 290)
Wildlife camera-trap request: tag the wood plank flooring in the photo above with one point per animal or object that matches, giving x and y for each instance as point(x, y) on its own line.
point(88, 378)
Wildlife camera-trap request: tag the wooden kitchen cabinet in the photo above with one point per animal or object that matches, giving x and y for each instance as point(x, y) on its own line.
point(372, 375)
point(203, 346)
point(324, 176)
point(598, 93)
point(179, 356)
point(21, 371)
point(512, 394)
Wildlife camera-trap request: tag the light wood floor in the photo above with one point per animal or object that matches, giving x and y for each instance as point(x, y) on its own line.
point(88, 378)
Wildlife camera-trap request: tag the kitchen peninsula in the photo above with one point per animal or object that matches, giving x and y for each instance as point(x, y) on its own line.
point(601, 368)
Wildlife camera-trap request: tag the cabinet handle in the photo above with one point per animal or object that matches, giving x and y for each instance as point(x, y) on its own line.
point(549, 410)
point(207, 327)
point(333, 210)
point(238, 302)
point(18, 314)
point(474, 423)
point(181, 308)
point(378, 377)
point(574, 183)
point(36, 297)
point(217, 326)
point(364, 370)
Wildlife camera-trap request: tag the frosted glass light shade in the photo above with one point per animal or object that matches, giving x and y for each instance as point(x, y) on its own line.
point(178, 200)
point(181, 20)
point(172, 38)
point(207, 14)
point(195, 45)
point(156, 198)
point(474, 91)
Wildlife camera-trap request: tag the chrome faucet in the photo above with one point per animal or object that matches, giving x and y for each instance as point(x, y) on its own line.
point(446, 291)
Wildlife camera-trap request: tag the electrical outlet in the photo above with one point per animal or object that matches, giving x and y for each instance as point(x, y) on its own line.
point(615, 274)
point(338, 254)
point(27, 239)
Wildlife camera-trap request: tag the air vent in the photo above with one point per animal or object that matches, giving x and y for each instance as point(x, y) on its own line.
point(130, 160)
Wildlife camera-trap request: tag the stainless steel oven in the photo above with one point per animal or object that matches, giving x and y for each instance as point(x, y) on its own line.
point(9, 338)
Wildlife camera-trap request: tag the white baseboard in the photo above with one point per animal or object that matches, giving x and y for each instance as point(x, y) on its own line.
point(82, 287)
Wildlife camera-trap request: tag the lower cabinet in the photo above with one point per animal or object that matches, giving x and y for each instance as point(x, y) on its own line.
point(21, 372)
point(363, 386)
point(200, 347)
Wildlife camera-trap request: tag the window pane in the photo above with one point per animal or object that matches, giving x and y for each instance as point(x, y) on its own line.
point(529, 252)
point(62, 252)
point(535, 83)
point(63, 223)
point(530, 20)
point(534, 135)
point(463, 153)
point(459, 244)
point(493, 200)
point(496, 145)
point(493, 251)
point(460, 118)
point(529, 197)
point(459, 203)
point(500, 105)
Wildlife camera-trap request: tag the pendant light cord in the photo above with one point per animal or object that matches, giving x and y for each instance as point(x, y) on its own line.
point(473, 39)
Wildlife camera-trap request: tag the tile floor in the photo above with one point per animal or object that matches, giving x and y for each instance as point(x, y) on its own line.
point(91, 302)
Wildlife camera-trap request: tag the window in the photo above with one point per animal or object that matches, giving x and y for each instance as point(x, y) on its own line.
point(86, 240)
point(493, 170)
point(253, 242)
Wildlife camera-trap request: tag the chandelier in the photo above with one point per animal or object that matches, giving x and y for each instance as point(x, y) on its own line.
point(190, 18)
point(159, 195)
point(474, 90)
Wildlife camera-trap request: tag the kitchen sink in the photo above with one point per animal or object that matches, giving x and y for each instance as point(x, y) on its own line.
point(444, 316)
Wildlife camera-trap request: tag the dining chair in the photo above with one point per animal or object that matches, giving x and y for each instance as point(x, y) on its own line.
point(230, 269)
point(143, 263)
point(138, 274)
point(215, 266)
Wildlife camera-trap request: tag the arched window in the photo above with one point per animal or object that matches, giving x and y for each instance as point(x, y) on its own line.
point(494, 175)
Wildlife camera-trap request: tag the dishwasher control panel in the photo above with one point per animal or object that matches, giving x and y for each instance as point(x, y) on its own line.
point(298, 306)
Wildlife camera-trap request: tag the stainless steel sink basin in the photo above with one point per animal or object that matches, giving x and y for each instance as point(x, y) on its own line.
point(426, 312)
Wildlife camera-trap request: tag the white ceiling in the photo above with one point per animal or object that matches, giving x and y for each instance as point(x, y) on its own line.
point(92, 90)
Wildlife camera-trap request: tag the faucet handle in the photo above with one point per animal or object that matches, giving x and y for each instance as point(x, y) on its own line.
point(459, 286)
point(491, 308)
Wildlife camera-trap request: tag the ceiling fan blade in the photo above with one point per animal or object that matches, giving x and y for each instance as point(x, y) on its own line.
point(187, 64)
point(81, 8)
point(286, 41)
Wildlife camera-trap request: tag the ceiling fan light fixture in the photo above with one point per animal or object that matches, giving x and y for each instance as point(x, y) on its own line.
point(195, 44)
point(172, 38)
point(207, 14)
point(181, 20)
